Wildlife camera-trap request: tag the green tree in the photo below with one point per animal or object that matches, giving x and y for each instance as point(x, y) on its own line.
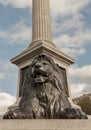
point(85, 104)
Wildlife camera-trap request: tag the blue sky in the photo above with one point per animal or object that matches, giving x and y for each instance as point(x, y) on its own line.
point(71, 27)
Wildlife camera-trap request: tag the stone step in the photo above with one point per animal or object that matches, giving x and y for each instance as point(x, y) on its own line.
point(45, 124)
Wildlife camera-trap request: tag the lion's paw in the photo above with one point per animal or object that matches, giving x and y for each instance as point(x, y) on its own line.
point(11, 114)
point(75, 114)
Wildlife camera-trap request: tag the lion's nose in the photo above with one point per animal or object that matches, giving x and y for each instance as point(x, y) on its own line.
point(37, 66)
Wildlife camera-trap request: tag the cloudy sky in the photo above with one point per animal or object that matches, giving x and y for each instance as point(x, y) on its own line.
point(71, 27)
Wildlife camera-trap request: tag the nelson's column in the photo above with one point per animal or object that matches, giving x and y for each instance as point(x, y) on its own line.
point(43, 89)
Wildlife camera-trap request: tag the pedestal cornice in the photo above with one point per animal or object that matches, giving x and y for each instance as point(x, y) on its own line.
point(44, 47)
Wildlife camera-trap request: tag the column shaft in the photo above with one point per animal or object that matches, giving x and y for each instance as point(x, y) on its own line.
point(41, 23)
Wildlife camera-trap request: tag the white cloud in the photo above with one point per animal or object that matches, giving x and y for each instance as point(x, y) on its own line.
point(2, 34)
point(63, 24)
point(17, 34)
point(68, 7)
point(6, 100)
point(8, 70)
point(8, 66)
point(9, 76)
point(81, 80)
point(74, 52)
point(83, 74)
point(77, 40)
point(71, 33)
point(74, 45)
point(17, 3)
point(58, 7)
point(69, 19)
point(2, 76)
point(77, 90)
point(2, 73)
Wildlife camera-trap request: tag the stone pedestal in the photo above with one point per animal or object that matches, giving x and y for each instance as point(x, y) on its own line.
point(36, 48)
point(45, 124)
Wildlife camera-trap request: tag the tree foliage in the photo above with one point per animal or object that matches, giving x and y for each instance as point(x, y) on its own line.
point(85, 104)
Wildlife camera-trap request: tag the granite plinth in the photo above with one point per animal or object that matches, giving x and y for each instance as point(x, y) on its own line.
point(45, 124)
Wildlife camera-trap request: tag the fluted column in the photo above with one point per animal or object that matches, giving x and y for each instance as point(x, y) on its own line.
point(41, 23)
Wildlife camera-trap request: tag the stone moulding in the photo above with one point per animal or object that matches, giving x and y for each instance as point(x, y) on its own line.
point(45, 124)
point(42, 47)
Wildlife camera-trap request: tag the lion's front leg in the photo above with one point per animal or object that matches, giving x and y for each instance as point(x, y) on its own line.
point(18, 113)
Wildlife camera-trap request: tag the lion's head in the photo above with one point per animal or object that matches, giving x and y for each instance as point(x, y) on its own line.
point(41, 69)
point(44, 69)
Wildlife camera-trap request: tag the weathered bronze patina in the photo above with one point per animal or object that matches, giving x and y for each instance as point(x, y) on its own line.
point(44, 95)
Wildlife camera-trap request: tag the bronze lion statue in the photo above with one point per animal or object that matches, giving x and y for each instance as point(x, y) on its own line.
point(44, 95)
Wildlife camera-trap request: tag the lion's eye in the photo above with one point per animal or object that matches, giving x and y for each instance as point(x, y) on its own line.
point(33, 65)
point(44, 63)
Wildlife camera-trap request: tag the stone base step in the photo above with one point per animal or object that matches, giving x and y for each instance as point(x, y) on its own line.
point(45, 124)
